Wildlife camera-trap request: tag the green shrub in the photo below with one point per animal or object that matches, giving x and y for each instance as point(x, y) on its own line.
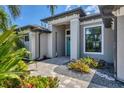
point(13, 70)
point(41, 82)
point(10, 83)
point(91, 62)
point(79, 66)
point(30, 82)
point(84, 64)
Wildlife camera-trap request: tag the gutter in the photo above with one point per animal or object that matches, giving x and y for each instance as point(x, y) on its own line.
point(39, 44)
point(115, 47)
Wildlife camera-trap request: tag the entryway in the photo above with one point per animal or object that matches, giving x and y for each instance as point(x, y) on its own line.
point(68, 46)
point(67, 42)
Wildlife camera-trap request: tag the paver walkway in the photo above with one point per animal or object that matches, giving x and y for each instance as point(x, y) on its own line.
point(97, 78)
point(68, 78)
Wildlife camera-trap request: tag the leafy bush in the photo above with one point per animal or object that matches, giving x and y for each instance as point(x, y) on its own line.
point(13, 70)
point(22, 66)
point(93, 63)
point(84, 64)
point(11, 56)
point(30, 82)
point(90, 62)
point(10, 83)
point(41, 82)
point(79, 66)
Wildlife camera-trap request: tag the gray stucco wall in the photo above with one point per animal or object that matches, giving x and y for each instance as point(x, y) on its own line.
point(43, 44)
point(120, 47)
point(60, 41)
point(108, 44)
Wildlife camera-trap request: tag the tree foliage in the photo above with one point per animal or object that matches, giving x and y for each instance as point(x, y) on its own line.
point(52, 9)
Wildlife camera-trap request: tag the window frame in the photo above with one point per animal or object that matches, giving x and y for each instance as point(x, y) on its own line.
point(102, 34)
point(25, 38)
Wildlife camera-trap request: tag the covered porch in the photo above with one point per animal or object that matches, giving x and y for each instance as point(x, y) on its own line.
point(64, 39)
point(65, 33)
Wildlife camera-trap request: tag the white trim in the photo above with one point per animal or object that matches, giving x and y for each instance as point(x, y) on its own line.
point(102, 26)
point(66, 41)
point(63, 19)
point(91, 21)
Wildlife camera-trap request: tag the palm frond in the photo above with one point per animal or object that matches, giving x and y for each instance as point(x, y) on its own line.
point(14, 10)
point(52, 9)
point(11, 58)
point(4, 20)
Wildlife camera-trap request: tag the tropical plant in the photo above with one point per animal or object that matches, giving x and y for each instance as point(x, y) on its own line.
point(13, 70)
point(93, 63)
point(14, 10)
point(30, 82)
point(41, 82)
point(11, 57)
point(52, 9)
point(79, 66)
point(5, 21)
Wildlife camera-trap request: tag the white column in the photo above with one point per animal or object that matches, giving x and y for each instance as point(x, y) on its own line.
point(32, 44)
point(74, 27)
point(50, 46)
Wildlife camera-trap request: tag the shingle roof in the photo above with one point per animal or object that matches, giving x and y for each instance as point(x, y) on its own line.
point(34, 28)
point(76, 10)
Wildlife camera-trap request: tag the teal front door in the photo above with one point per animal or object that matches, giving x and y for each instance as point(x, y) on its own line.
point(68, 46)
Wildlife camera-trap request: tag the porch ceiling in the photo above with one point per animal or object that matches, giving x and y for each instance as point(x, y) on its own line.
point(62, 23)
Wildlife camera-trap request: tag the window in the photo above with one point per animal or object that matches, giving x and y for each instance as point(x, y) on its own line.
point(93, 40)
point(68, 32)
point(27, 38)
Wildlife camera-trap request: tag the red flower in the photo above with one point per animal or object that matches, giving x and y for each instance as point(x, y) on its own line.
point(29, 86)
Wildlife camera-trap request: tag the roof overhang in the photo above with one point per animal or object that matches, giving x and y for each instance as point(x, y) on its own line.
point(34, 29)
point(90, 17)
point(67, 13)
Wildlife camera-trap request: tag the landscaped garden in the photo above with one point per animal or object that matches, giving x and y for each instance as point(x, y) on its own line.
point(85, 64)
point(14, 71)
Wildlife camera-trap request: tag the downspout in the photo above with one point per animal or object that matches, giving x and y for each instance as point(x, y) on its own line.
point(115, 46)
point(39, 45)
point(56, 44)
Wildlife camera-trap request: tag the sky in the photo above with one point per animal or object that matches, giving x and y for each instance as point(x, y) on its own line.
point(31, 14)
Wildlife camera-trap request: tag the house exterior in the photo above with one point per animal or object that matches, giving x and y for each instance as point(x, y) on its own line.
point(35, 39)
point(75, 34)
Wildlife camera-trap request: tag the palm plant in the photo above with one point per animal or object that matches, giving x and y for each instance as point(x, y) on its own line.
point(52, 9)
point(5, 21)
point(9, 57)
point(14, 10)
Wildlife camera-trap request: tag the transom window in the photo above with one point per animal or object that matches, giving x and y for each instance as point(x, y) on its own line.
point(93, 39)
